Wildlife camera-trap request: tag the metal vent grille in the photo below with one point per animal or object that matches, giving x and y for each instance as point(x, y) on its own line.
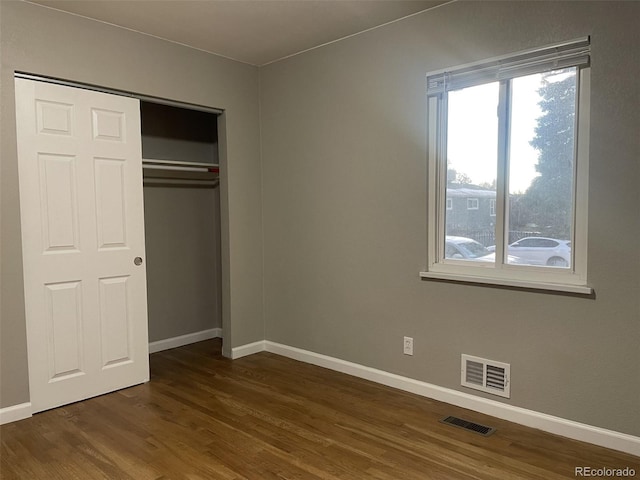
point(495, 377)
point(475, 373)
point(470, 426)
point(486, 375)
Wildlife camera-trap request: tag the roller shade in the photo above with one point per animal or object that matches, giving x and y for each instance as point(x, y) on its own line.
point(569, 54)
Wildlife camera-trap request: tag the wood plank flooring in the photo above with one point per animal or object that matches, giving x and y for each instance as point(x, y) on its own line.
point(267, 417)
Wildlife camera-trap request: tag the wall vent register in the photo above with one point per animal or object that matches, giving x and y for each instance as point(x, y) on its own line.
point(486, 375)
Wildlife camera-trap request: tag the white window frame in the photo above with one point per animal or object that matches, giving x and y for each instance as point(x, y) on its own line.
point(492, 207)
point(449, 204)
point(575, 53)
point(473, 204)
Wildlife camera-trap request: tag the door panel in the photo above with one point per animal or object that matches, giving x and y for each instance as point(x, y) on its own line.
point(115, 321)
point(110, 202)
point(54, 117)
point(64, 322)
point(59, 202)
point(108, 125)
point(80, 167)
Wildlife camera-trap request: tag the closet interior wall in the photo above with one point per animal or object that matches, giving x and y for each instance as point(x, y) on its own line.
point(182, 224)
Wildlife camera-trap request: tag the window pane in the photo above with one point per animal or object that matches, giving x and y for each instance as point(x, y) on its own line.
point(472, 153)
point(541, 167)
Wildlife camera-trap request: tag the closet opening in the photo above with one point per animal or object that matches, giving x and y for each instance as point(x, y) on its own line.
point(182, 224)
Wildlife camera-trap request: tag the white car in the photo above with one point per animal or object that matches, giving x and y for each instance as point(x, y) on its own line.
point(545, 251)
point(463, 248)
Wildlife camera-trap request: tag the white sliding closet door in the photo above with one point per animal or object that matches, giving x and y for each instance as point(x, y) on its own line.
point(79, 157)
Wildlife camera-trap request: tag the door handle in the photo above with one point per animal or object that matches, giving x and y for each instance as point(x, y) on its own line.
point(137, 261)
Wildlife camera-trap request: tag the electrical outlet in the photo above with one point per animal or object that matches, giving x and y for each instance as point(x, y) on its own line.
point(408, 345)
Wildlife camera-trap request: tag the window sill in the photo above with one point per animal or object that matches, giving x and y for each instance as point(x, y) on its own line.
point(555, 287)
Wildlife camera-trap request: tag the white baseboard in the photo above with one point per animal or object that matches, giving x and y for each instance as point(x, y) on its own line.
point(248, 349)
point(15, 413)
point(548, 423)
point(182, 340)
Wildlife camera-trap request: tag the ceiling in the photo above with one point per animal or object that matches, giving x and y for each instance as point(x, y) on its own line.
point(257, 32)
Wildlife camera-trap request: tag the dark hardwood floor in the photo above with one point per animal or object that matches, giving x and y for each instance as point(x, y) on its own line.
point(267, 417)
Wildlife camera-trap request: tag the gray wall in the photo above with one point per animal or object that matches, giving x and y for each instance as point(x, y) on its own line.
point(46, 42)
point(182, 238)
point(344, 174)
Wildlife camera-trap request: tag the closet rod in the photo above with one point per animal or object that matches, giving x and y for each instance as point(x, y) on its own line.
point(122, 93)
point(174, 182)
point(151, 161)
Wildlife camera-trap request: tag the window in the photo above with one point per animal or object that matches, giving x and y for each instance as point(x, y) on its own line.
point(449, 204)
point(513, 130)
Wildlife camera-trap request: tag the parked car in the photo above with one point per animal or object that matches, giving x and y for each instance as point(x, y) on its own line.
point(464, 248)
point(549, 252)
